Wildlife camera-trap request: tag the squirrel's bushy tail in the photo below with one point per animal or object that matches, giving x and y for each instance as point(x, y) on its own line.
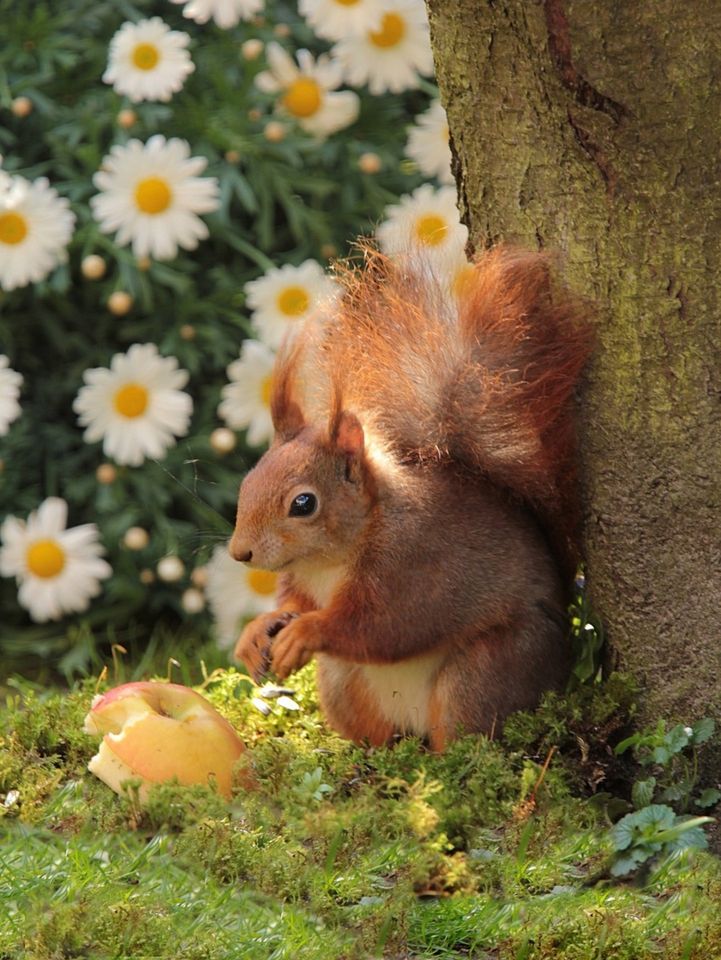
point(482, 376)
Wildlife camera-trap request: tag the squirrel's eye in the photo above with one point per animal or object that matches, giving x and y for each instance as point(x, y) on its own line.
point(303, 505)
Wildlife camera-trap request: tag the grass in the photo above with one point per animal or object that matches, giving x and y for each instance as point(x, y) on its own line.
point(341, 852)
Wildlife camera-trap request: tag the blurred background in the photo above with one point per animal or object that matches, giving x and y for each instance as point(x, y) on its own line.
point(177, 179)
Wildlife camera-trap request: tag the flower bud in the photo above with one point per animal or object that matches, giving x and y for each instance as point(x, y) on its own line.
point(127, 119)
point(274, 131)
point(93, 267)
point(252, 48)
point(21, 106)
point(106, 473)
point(170, 568)
point(136, 538)
point(222, 440)
point(192, 600)
point(119, 303)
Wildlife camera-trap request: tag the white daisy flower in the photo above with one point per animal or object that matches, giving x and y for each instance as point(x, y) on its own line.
point(428, 143)
point(287, 296)
point(150, 194)
point(226, 13)
point(58, 570)
point(306, 90)
point(236, 593)
point(246, 399)
point(336, 19)
point(426, 220)
point(148, 60)
point(137, 407)
point(10, 383)
point(391, 57)
point(35, 228)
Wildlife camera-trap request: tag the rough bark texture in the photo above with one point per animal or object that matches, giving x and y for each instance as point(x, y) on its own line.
point(594, 129)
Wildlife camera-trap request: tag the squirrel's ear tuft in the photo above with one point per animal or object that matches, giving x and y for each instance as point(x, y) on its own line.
point(346, 436)
point(289, 420)
point(287, 415)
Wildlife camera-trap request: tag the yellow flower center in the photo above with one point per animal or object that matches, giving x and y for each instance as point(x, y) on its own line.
point(131, 400)
point(13, 228)
point(392, 31)
point(266, 388)
point(262, 581)
point(347, 3)
point(303, 97)
point(431, 229)
point(293, 301)
point(146, 56)
point(153, 195)
point(45, 558)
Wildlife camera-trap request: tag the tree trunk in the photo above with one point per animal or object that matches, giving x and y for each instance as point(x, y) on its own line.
point(593, 129)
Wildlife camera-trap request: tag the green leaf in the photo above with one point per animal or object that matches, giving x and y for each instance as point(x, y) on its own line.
point(680, 827)
point(624, 745)
point(693, 837)
point(678, 738)
point(673, 794)
point(656, 815)
point(622, 833)
point(702, 730)
point(709, 797)
point(642, 792)
point(623, 866)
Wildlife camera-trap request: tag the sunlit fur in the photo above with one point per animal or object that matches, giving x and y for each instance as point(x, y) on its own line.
point(438, 436)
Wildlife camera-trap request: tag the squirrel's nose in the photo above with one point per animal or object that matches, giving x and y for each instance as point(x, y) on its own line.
point(242, 555)
point(239, 550)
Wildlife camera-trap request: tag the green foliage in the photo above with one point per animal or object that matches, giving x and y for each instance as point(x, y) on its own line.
point(672, 755)
point(340, 851)
point(281, 202)
point(657, 830)
point(587, 636)
point(653, 830)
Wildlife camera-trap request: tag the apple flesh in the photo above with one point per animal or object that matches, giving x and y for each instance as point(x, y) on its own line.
point(157, 732)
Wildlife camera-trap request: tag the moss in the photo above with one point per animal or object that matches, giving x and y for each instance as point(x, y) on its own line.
point(340, 851)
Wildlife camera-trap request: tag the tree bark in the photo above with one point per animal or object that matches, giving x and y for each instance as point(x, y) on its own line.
point(594, 129)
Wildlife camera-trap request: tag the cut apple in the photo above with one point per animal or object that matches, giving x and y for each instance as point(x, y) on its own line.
point(156, 732)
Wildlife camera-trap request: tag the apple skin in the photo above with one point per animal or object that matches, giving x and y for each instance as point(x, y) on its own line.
point(157, 732)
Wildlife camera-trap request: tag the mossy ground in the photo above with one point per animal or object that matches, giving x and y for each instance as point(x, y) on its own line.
point(341, 852)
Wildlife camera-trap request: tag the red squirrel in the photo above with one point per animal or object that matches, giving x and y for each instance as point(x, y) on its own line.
point(419, 499)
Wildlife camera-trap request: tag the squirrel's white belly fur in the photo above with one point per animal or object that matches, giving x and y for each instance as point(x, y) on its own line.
point(402, 690)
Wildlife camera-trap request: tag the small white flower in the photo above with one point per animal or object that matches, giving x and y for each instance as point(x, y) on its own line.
point(35, 228)
point(137, 407)
point(428, 143)
point(226, 13)
point(150, 194)
point(306, 90)
point(148, 60)
point(336, 19)
point(391, 57)
point(10, 383)
point(286, 296)
point(58, 570)
point(427, 221)
point(246, 399)
point(235, 593)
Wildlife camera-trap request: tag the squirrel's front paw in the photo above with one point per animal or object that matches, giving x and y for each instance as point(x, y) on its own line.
point(295, 645)
point(254, 645)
